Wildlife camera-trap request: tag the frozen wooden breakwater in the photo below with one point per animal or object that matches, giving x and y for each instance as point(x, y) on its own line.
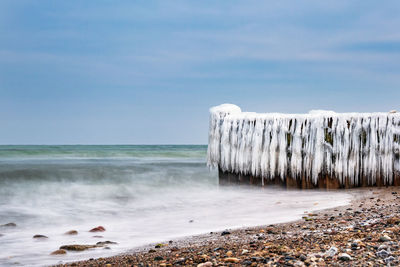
point(321, 149)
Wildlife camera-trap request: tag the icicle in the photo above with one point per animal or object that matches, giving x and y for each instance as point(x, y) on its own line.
point(347, 146)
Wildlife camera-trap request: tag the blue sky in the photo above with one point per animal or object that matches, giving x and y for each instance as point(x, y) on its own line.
point(146, 72)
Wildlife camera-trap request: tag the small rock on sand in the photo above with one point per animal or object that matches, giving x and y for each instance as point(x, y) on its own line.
point(345, 257)
point(205, 264)
point(102, 243)
point(59, 252)
point(77, 247)
point(232, 260)
point(71, 232)
point(225, 233)
point(40, 237)
point(11, 224)
point(98, 229)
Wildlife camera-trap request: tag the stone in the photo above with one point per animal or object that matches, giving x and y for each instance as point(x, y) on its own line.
point(384, 238)
point(98, 229)
point(232, 260)
point(180, 261)
point(77, 247)
point(102, 243)
point(383, 253)
point(71, 232)
point(225, 233)
point(59, 252)
point(299, 264)
point(9, 225)
point(39, 237)
point(345, 257)
point(205, 264)
point(389, 259)
point(331, 251)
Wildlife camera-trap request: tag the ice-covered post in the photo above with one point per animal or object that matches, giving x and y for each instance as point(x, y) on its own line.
point(319, 149)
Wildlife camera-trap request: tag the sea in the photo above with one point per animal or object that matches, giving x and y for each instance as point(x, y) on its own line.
point(141, 194)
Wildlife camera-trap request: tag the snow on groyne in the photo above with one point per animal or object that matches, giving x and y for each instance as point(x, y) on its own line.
point(318, 149)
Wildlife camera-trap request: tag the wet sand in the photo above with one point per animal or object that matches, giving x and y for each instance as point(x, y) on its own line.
point(363, 233)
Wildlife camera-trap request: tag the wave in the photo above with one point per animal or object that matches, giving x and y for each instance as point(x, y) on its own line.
point(101, 151)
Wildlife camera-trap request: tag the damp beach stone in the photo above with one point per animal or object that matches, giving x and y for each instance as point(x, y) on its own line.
point(40, 237)
point(11, 224)
point(97, 229)
point(77, 247)
point(59, 252)
point(71, 232)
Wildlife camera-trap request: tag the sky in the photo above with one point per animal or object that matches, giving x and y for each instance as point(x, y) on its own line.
point(147, 72)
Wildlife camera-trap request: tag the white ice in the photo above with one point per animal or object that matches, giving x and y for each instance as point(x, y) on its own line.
point(270, 145)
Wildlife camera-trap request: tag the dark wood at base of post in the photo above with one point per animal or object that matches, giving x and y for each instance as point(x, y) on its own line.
point(327, 182)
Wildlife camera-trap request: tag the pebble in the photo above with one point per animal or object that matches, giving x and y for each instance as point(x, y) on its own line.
point(232, 260)
point(225, 233)
point(59, 252)
point(77, 247)
point(40, 236)
point(384, 238)
point(345, 257)
point(98, 229)
point(383, 253)
point(331, 252)
point(205, 264)
point(9, 225)
point(71, 232)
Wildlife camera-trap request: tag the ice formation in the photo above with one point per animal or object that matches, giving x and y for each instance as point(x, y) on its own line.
point(350, 146)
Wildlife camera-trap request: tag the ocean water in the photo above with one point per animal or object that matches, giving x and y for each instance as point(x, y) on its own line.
point(140, 194)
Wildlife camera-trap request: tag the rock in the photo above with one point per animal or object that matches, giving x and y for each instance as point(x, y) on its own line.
point(383, 253)
point(331, 251)
point(381, 247)
point(393, 111)
point(40, 236)
point(98, 229)
point(229, 253)
point(225, 233)
point(9, 225)
point(102, 243)
point(299, 264)
point(151, 251)
point(232, 260)
point(345, 257)
point(205, 264)
point(190, 221)
point(180, 261)
point(389, 259)
point(59, 252)
point(384, 238)
point(158, 258)
point(77, 247)
point(303, 257)
point(245, 251)
point(71, 232)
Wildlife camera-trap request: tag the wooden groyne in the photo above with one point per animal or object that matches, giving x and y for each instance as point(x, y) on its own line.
point(321, 149)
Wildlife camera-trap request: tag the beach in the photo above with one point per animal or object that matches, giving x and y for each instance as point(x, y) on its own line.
point(52, 196)
point(363, 233)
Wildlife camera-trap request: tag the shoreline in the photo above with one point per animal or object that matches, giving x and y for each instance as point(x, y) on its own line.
point(363, 232)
